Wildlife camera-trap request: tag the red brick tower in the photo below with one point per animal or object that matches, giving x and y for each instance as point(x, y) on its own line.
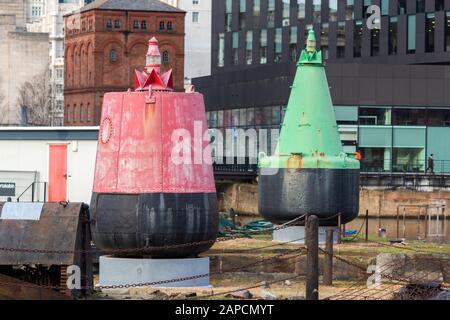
point(106, 41)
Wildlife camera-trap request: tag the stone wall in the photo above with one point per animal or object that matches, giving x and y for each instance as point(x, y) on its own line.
point(413, 208)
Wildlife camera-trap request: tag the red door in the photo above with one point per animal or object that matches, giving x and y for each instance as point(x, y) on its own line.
point(57, 184)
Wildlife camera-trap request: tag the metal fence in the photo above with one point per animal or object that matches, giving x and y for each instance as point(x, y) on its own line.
point(22, 186)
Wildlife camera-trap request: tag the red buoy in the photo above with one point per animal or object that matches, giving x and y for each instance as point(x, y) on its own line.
point(144, 197)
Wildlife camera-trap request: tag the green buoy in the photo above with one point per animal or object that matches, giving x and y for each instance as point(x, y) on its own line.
point(309, 172)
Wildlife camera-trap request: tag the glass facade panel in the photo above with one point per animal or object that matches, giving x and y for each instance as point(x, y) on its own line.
point(420, 6)
point(271, 13)
point(301, 9)
point(411, 48)
point(235, 49)
point(242, 10)
point(375, 116)
point(340, 38)
point(324, 40)
point(221, 53)
point(286, 12)
point(317, 7)
point(408, 117)
point(293, 35)
point(430, 25)
point(385, 7)
point(349, 9)
point(447, 31)
point(333, 7)
point(401, 6)
point(278, 47)
point(374, 42)
point(263, 47)
point(393, 27)
point(228, 15)
point(256, 13)
point(438, 117)
point(357, 38)
point(439, 5)
point(249, 47)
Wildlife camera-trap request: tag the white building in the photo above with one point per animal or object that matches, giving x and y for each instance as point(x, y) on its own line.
point(47, 16)
point(198, 37)
point(47, 164)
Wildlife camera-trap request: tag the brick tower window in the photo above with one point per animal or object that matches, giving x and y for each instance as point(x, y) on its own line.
point(117, 24)
point(109, 24)
point(144, 25)
point(165, 57)
point(161, 25)
point(112, 56)
point(135, 24)
point(169, 26)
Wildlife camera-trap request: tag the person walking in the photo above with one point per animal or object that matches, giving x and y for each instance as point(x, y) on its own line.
point(431, 164)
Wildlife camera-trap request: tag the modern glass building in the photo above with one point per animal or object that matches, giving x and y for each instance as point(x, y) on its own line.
point(390, 86)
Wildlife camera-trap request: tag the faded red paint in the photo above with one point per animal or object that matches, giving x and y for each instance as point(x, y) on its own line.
point(136, 157)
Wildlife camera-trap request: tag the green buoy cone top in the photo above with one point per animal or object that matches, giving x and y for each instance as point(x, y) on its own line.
point(310, 54)
point(309, 136)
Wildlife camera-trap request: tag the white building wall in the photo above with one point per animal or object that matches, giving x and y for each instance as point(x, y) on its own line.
point(198, 37)
point(20, 156)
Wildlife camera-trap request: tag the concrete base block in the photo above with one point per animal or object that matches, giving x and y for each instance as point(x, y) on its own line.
point(128, 271)
point(296, 234)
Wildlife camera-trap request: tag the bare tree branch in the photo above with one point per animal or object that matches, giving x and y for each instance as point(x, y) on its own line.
point(35, 97)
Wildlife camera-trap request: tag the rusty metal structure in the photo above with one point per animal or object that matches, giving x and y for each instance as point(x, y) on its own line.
point(38, 241)
point(143, 198)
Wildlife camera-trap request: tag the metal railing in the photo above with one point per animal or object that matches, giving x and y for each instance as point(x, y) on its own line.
point(415, 166)
point(33, 187)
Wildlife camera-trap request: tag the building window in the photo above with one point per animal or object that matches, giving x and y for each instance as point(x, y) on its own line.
point(165, 57)
point(340, 40)
point(439, 5)
point(324, 40)
point(447, 31)
point(349, 10)
point(135, 24)
point(112, 56)
point(409, 117)
point(144, 25)
point(278, 48)
point(401, 7)
point(221, 53)
point(411, 47)
point(235, 49)
point(242, 10)
point(374, 42)
point(393, 35)
point(384, 7)
point(333, 7)
point(430, 25)
point(195, 2)
point(357, 38)
point(301, 9)
point(317, 8)
point(293, 43)
point(117, 24)
point(228, 15)
point(74, 114)
point(82, 113)
point(161, 25)
point(420, 6)
point(375, 116)
point(366, 5)
point(169, 26)
point(88, 112)
point(271, 13)
point(68, 111)
point(286, 13)
point(109, 24)
point(256, 13)
point(263, 47)
point(249, 47)
point(194, 17)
